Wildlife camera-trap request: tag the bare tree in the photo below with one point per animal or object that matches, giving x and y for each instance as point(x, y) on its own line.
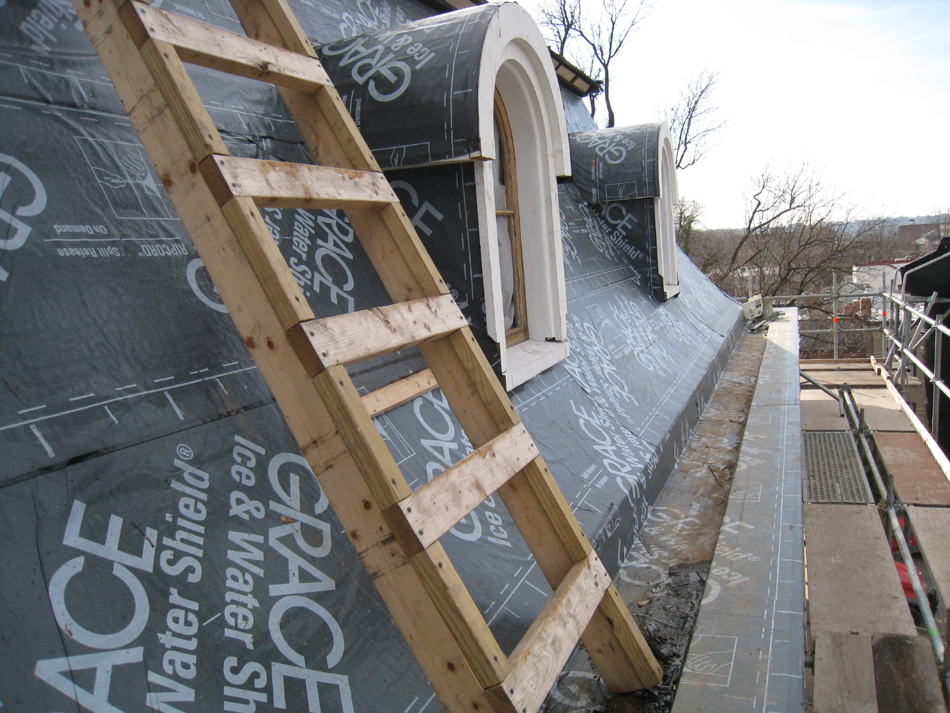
point(881, 244)
point(704, 247)
point(560, 19)
point(693, 119)
point(692, 124)
point(797, 232)
point(594, 37)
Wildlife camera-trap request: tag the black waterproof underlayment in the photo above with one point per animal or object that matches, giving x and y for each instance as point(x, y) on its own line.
point(163, 545)
point(617, 172)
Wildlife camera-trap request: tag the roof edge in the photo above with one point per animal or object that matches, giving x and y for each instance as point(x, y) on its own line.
point(572, 78)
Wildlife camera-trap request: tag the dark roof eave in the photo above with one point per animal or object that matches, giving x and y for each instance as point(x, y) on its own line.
point(451, 5)
point(572, 78)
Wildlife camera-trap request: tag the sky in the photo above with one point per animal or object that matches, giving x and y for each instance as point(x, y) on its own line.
point(857, 89)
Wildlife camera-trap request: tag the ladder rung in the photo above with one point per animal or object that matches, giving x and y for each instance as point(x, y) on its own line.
point(421, 519)
point(208, 46)
point(545, 648)
point(277, 184)
point(352, 338)
point(399, 392)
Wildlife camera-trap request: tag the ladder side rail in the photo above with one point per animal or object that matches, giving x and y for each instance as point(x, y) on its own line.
point(260, 326)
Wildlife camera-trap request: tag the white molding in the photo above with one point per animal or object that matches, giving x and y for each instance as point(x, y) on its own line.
point(530, 358)
point(664, 210)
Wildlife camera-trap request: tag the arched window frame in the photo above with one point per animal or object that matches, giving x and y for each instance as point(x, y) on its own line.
point(517, 65)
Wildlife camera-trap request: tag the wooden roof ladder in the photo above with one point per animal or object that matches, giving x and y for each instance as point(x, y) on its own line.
point(395, 530)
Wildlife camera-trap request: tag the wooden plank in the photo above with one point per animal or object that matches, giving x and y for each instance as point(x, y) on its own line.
point(881, 411)
point(852, 581)
point(856, 363)
point(358, 336)
point(820, 412)
point(421, 519)
point(844, 674)
point(613, 626)
point(363, 441)
point(277, 184)
point(399, 392)
point(835, 379)
point(917, 476)
point(270, 268)
point(327, 127)
point(212, 47)
point(172, 81)
point(485, 657)
point(431, 641)
point(931, 527)
point(905, 675)
point(921, 429)
point(545, 648)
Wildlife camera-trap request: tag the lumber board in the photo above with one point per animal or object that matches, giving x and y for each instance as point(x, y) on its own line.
point(820, 412)
point(432, 642)
point(413, 612)
point(905, 675)
point(539, 657)
point(918, 478)
point(433, 509)
point(284, 20)
point(215, 48)
point(270, 268)
point(397, 253)
point(181, 98)
point(358, 336)
point(819, 364)
point(386, 482)
point(844, 674)
point(475, 394)
point(615, 642)
point(931, 527)
point(399, 392)
point(485, 657)
point(881, 411)
point(278, 184)
point(852, 581)
point(326, 125)
point(834, 379)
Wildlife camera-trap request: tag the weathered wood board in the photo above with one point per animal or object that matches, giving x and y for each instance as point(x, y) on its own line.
point(852, 580)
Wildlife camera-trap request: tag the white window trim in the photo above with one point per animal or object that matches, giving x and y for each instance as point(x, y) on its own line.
point(664, 208)
point(517, 62)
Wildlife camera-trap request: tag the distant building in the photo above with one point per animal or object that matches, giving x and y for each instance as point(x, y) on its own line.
point(874, 275)
point(920, 238)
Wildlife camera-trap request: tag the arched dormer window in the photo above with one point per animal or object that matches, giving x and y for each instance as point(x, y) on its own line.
point(519, 99)
point(627, 174)
point(475, 88)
